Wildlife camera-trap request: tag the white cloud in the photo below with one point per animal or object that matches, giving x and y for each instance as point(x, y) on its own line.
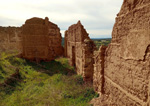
point(97, 16)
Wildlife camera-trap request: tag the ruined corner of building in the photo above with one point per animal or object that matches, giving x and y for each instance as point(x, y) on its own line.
point(79, 49)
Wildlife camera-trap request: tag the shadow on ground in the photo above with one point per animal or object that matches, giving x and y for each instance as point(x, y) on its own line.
point(52, 67)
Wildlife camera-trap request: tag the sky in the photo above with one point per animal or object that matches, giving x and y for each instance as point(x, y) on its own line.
point(97, 16)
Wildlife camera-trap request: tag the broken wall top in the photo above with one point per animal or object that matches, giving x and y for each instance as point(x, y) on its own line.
point(77, 33)
point(41, 39)
point(36, 20)
point(32, 26)
point(131, 31)
point(89, 45)
point(129, 5)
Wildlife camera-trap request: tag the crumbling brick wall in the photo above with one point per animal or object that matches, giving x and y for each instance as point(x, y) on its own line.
point(88, 49)
point(98, 76)
point(79, 49)
point(10, 39)
point(127, 58)
point(41, 40)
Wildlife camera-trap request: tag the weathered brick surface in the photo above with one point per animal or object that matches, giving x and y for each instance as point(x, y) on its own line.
point(79, 49)
point(41, 40)
point(118, 96)
point(10, 39)
point(127, 58)
point(98, 76)
point(88, 59)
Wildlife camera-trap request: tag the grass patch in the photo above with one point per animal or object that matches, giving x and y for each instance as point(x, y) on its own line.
point(52, 83)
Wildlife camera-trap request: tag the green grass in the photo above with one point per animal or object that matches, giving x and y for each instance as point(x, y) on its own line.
point(52, 83)
point(6, 69)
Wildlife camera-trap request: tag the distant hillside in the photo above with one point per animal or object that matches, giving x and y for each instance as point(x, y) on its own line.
point(97, 41)
point(101, 41)
point(101, 38)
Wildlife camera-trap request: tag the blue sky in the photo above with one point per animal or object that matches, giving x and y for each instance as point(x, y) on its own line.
point(97, 16)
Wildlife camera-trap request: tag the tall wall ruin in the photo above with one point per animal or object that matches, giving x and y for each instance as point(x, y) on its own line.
point(79, 49)
point(41, 40)
point(38, 39)
point(127, 58)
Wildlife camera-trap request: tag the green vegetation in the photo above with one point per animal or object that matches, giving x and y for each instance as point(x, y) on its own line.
point(99, 42)
point(52, 83)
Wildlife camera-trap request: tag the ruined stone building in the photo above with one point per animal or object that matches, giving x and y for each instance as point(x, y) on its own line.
point(10, 39)
point(37, 39)
point(41, 39)
point(79, 49)
point(123, 77)
point(120, 72)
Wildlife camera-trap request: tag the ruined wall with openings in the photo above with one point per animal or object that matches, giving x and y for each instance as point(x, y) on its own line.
point(79, 50)
point(10, 39)
point(41, 40)
point(127, 58)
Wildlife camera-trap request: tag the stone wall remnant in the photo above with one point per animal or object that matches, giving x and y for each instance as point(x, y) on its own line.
point(127, 58)
point(41, 40)
point(79, 50)
point(10, 39)
point(98, 76)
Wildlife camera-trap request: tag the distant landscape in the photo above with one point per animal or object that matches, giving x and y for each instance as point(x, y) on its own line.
point(101, 41)
point(98, 41)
